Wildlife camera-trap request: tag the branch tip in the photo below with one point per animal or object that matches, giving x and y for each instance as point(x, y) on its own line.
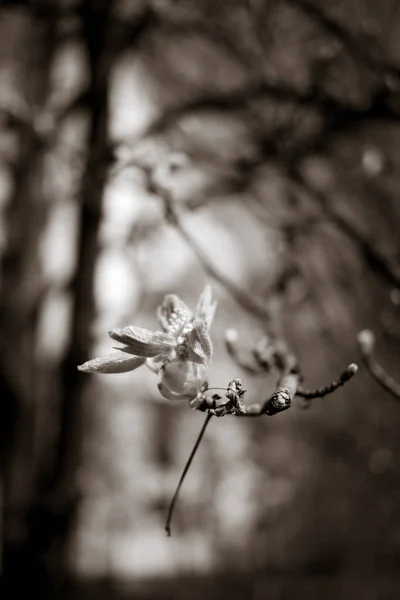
point(366, 340)
point(347, 374)
point(231, 336)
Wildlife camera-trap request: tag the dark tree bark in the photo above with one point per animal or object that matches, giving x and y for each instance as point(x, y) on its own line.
point(28, 45)
point(41, 500)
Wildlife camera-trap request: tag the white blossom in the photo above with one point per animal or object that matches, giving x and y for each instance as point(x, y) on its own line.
point(180, 354)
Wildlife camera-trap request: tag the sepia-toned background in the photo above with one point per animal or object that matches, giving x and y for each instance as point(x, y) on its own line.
point(273, 130)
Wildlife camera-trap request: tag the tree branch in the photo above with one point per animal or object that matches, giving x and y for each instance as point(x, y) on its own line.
point(347, 374)
point(289, 385)
point(347, 38)
point(254, 306)
point(366, 341)
point(377, 260)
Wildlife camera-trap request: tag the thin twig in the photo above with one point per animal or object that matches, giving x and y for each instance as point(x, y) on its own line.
point(233, 100)
point(378, 261)
point(274, 355)
point(251, 304)
point(288, 386)
point(366, 341)
point(347, 374)
point(185, 470)
point(231, 339)
point(348, 39)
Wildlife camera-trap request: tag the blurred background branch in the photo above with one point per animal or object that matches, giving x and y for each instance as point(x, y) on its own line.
point(366, 340)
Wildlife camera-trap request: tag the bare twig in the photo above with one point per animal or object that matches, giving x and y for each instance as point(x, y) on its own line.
point(336, 113)
point(248, 302)
point(273, 355)
point(184, 473)
point(348, 39)
point(234, 100)
point(287, 388)
point(254, 306)
point(366, 341)
point(347, 374)
point(231, 339)
point(377, 260)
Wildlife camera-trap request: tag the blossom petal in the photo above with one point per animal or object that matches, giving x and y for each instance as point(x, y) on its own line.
point(169, 395)
point(206, 307)
point(115, 362)
point(199, 343)
point(173, 314)
point(144, 342)
point(182, 380)
point(183, 377)
point(176, 374)
point(196, 354)
point(156, 363)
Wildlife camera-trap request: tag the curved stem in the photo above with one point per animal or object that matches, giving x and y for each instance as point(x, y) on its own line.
point(185, 470)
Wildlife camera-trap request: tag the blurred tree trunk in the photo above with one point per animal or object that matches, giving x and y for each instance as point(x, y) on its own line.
point(40, 501)
point(63, 481)
point(27, 46)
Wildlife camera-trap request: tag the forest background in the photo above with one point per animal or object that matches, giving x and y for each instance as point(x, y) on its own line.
point(152, 147)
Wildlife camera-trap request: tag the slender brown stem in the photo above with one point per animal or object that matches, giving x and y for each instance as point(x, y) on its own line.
point(185, 470)
point(331, 387)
